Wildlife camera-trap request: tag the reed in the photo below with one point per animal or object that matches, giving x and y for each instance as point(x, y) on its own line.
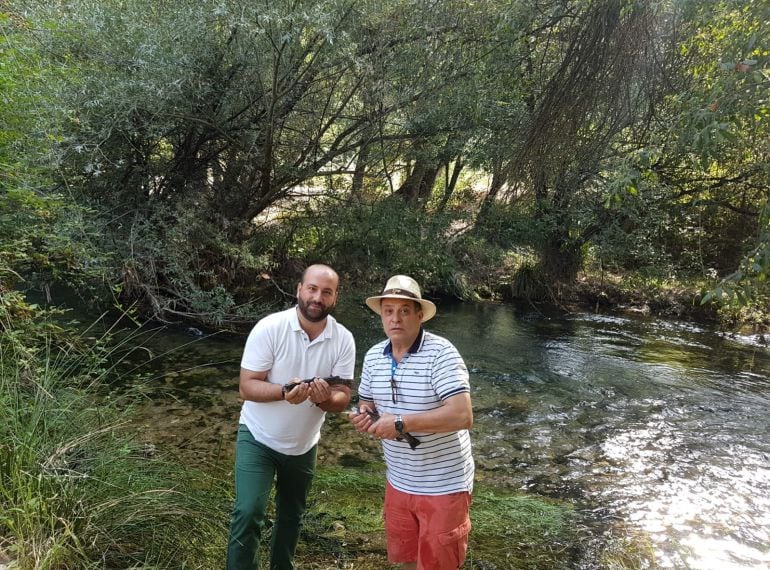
point(77, 488)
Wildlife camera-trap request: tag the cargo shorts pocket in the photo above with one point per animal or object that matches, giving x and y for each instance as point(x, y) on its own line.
point(454, 545)
point(456, 534)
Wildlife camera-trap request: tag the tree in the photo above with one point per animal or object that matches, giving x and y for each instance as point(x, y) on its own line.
point(589, 68)
point(714, 147)
point(212, 112)
point(36, 221)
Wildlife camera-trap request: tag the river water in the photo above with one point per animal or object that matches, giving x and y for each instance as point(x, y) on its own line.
point(661, 428)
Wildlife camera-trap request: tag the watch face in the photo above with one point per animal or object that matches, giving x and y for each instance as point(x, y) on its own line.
point(399, 425)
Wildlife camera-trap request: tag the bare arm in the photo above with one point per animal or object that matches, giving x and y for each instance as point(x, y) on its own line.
point(455, 413)
point(254, 386)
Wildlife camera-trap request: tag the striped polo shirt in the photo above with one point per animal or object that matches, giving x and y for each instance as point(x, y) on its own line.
point(431, 371)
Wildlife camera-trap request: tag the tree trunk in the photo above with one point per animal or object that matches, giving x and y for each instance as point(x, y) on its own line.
point(498, 179)
point(560, 258)
point(418, 185)
point(451, 182)
point(560, 254)
point(357, 184)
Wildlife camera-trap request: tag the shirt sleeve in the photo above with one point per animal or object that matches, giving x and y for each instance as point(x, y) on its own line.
point(345, 365)
point(365, 387)
point(258, 354)
point(450, 375)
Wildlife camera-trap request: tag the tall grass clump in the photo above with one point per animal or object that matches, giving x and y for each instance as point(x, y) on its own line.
point(528, 282)
point(77, 489)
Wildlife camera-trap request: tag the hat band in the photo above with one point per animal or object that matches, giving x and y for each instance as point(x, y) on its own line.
point(403, 292)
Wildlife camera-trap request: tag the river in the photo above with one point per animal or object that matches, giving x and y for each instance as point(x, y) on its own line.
point(658, 427)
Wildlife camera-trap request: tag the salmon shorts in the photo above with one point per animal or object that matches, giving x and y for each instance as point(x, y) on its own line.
point(431, 530)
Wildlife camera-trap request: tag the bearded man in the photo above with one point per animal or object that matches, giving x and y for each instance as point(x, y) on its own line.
point(281, 417)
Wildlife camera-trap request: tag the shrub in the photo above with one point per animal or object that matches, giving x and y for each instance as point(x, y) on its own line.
point(375, 240)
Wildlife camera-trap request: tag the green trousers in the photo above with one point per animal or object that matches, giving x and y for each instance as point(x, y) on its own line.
point(256, 466)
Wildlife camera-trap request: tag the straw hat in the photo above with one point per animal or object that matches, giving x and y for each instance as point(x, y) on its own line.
point(403, 287)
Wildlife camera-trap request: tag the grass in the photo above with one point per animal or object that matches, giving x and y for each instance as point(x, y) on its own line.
point(76, 489)
point(521, 531)
point(343, 527)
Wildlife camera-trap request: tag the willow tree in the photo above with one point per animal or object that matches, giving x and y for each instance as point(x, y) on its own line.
point(232, 104)
point(226, 104)
point(587, 75)
point(426, 55)
point(214, 111)
point(38, 226)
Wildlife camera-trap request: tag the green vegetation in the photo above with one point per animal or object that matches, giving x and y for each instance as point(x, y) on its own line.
point(525, 532)
point(344, 525)
point(194, 157)
point(77, 490)
point(184, 161)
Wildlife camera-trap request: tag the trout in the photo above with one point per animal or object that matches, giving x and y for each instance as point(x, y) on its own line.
point(330, 380)
point(410, 439)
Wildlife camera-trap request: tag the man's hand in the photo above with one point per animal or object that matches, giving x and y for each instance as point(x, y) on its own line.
point(361, 417)
point(319, 391)
point(298, 393)
point(384, 427)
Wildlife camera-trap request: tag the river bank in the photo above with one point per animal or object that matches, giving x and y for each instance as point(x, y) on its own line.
point(607, 418)
point(630, 294)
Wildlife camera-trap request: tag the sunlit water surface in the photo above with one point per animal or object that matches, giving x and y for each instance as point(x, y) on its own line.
point(659, 428)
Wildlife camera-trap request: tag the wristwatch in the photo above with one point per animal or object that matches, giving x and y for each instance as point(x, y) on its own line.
point(399, 424)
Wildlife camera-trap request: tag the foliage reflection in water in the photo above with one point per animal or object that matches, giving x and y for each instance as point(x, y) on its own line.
point(655, 426)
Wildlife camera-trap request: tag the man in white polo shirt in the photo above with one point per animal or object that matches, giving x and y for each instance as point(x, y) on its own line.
point(279, 428)
point(415, 397)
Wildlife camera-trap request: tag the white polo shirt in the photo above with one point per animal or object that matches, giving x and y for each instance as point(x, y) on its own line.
point(277, 344)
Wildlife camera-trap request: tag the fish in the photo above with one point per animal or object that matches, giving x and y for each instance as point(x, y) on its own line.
point(410, 439)
point(330, 380)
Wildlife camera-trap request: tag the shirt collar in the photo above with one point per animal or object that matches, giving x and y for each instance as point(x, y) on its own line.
point(416, 345)
point(294, 319)
point(295, 326)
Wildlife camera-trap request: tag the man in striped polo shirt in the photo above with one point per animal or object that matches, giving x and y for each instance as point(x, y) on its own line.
point(415, 397)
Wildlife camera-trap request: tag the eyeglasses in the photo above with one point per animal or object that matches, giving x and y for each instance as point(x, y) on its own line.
point(393, 367)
